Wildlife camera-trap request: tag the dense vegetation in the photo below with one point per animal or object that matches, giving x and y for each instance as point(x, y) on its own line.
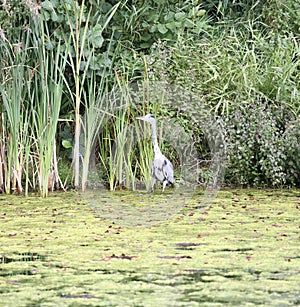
point(75, 74)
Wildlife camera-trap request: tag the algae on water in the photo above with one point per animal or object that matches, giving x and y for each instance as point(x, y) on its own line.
point(242, 249)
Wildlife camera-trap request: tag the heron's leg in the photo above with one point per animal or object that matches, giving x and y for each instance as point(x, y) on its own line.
point(164, 185)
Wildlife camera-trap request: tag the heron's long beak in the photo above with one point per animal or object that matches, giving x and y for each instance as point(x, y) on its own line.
point(141, 117)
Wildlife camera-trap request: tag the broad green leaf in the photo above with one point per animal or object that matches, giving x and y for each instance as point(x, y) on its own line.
point(171, 26)
point(152, 29)
point(201, 13)
point(169, 16)
point(47, 5)
point(188, 23)
point(162, 28)
point(179, 16)
point(66, 144)
point(54, 16)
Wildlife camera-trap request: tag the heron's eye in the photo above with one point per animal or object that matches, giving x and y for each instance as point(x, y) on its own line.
point(151, 115)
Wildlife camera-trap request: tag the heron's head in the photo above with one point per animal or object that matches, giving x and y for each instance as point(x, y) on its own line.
point(148, 118)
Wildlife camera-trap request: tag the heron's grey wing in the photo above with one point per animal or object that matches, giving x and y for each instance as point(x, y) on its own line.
point(157, 170)
point(168, 171)
point(162, 169)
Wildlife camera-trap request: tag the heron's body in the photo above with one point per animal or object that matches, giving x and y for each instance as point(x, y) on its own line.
point(162, 170)
point(161, 167)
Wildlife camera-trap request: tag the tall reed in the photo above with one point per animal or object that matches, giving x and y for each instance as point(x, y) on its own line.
point(46, 93)
point(95, 106)
point(114, 138)
point(15, 114)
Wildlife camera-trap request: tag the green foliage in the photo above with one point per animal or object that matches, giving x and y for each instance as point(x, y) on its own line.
point(282, 16)
point(232, 67)
point(14, 18)
point(125, 149)
point(231, 55)
point(141, 23)
point(263, 146)
point(46, 94)
point(15, 117)
point(62, 20)
point(291, 139)
point(226, 11)
point(135, 26)
point(245, 71)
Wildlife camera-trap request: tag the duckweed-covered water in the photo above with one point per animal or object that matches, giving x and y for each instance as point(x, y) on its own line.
point(241, 250)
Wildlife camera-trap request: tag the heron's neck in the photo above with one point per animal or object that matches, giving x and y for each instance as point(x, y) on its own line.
point(157, 151)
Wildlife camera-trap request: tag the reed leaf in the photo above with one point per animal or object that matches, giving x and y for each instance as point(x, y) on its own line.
point(15, 116)
point(46, 102)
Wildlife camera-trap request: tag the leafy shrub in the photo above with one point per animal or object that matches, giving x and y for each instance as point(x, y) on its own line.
point(263, 146)
point(135, 26)
point(292, 152)
point(14, 18)
point(141, 23)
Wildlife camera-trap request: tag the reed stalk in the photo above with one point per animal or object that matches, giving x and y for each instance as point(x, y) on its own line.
point(95, 106)
point(46, 102)
point(145, 154)
point(15, 115)
point(105, 156)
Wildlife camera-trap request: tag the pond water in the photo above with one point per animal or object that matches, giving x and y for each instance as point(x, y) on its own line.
point(127, 249)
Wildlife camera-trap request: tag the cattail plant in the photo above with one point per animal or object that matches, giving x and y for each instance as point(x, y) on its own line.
point(46, 94)
point(15, 114)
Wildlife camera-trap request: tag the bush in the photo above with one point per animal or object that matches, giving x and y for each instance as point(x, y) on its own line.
point(14, 19)
point(292, 152)
point(263, 146)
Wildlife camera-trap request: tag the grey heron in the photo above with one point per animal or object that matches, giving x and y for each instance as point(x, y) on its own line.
point(161, 167)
